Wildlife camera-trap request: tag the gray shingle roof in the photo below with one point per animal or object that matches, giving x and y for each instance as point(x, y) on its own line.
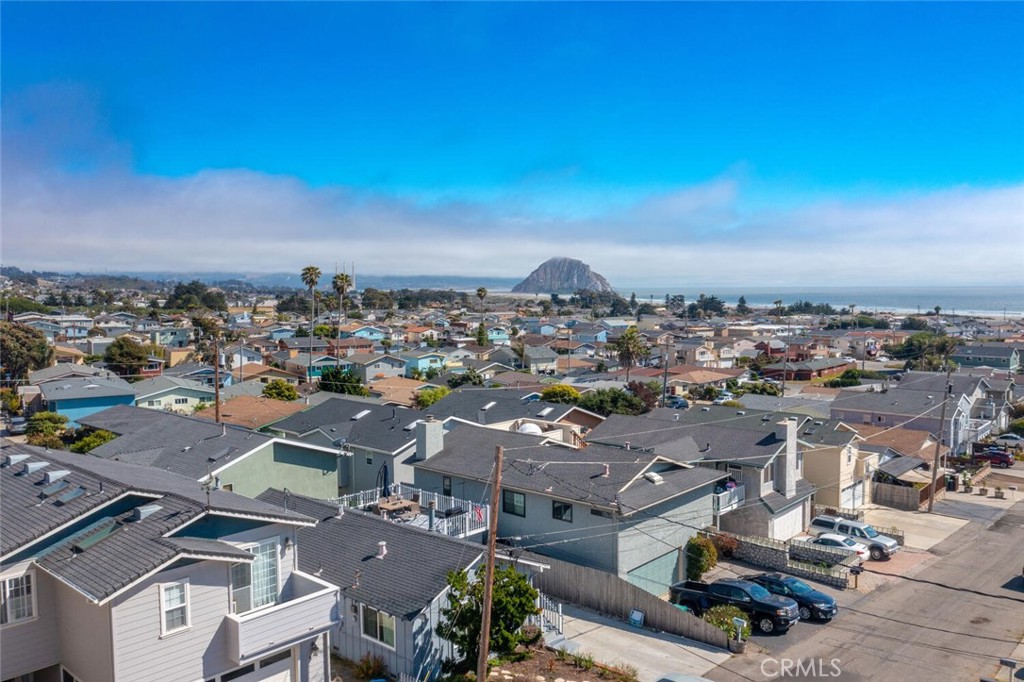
point(562, 472)
point(502, 405)
point(776, 502)
point(342, 551)
point(132, 548)
point(76, 388)
point(382, 428)
point(185, 445)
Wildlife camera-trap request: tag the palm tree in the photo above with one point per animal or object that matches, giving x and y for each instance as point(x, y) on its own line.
point(341, 282)
point(481, 293)
point(311, 277)
point(630, 349)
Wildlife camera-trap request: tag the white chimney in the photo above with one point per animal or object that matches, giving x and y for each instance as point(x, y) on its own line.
point(788, 468)
point(382, 549)
point(429, 438)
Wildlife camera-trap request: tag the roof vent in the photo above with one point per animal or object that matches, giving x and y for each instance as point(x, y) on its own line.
point(627, 445)
point(766, 418)
point(740, 412)
point(54, 476)
point(145, 511)
point(675, 417)
point(11, 460)
point(607, 471)
point(359, 415)
point(654, 478)
point(705, 409)
point(382, 549)
point(29, 468)
point(489, 405)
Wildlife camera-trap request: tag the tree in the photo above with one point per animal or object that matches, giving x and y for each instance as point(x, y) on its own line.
point(916, 324)
point(470, 376)
point(481, 293)
point(341, 283)
point(560, 393)
point(44, 429)
point(630, 349)
point(481, 335)
point(126, 358)
point(606, 401)
point(195, 294)
point(279, 389)
point(741, 306)
point(724, 617)
point(428, 396)
point(90, 441)
point(22, 349)
point(701, 557)
point(338, 380)
point(512, 603)
point(311, 277)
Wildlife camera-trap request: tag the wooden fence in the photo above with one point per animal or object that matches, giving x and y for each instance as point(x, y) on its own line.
point(906, 498)
point(611, 595)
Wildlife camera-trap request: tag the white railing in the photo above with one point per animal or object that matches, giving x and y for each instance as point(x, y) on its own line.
point(767, 488)
point(551, 612)
point(451, 515)
point(729, 500)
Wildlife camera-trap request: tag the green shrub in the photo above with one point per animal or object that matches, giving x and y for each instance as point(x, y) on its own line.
point(721, 617)
point(701, 557)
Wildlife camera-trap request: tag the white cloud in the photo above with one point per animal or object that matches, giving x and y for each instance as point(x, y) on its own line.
point(56, 217)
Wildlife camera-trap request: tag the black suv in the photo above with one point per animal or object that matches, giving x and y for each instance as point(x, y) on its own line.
point(812, 603)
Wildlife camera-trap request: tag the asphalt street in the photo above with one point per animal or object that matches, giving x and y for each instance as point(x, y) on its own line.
point(952, 620)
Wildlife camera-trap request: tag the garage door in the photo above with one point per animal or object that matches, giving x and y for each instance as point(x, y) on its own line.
point(789, 523)
point(852, 496)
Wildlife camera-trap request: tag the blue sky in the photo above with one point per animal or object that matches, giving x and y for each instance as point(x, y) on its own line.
point(654, 141)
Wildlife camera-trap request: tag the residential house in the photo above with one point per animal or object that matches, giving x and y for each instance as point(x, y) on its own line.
point(172, 337)
point(252, 412)
point(68, 354)
point(201, 372)
point(172, 394)
point(836, 465)
point(313, 368)
point(759, 451)
point(225, 456)
point(264, 374)
point(64, 370)
point(420, 361)
point(112, 571)
point(397, 390)
point(77, 398)
point(628, 515)
point(48, 329)
point(997, 355)
point(589, 333)
point(392, 579)
point(807, 370)
point(373, 367)
point(540, 359)
point(518, 411)
point(374, 440)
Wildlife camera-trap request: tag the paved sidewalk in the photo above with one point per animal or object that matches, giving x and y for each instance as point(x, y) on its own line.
point(653, 654)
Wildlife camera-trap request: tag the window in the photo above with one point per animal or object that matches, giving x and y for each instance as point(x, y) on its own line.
point(271, 660)
point(17, 599)
point(379, 625)
point(446, 486)
point(561, 511)
point(369, 460)
point(181, 401)
point(66, 676)
point(235, 674)
point(173, 607)
point(255, 585)
point(513, 503)
point(152, 403)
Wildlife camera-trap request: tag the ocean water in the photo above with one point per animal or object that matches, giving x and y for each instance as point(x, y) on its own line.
point(992, 301)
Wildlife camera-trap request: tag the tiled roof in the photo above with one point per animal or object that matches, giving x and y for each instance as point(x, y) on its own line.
point(250, 411)
point(342, 550)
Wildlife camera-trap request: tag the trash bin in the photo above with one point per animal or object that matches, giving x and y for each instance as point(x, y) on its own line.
point(951, 483)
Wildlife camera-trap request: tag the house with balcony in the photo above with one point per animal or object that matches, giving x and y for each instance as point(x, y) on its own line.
point(311, 368)
point(114, 571)
point(172, 337)
point(422, 360)
point(519, 410)
point(199, 371)
point(221, 455)
point(626, 512)
point(764, 492)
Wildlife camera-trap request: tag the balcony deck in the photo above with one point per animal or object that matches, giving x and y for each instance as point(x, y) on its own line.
point(308, 607)
point(451, 516)
point(729, 500)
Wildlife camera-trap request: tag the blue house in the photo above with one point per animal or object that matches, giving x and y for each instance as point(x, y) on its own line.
point(423, 360)
point(498, 335)
point(278, 333)
point(79, 397)
point(373, 333)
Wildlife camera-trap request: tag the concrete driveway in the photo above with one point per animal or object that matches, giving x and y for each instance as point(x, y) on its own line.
point(922, 530)
point(653, 654)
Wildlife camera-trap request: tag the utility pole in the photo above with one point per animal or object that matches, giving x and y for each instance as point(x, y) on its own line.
point(938, 442)
point(664, 375)
point(492, 536)
point(216, 379)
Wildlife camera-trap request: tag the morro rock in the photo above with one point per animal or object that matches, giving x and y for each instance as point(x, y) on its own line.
point(562, 276)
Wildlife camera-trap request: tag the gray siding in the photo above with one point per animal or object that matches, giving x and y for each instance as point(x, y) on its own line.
point(30, 645)
point(367, 463)
point(87, 657)
point(200, 652)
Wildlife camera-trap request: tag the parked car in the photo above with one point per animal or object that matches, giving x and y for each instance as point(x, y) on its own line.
point(842, 542)
point(812, 603)
point(879, 545)
point(677, 403)
point(997, 457)
point(1010, 440)
point(768, 612)
point(18, 426)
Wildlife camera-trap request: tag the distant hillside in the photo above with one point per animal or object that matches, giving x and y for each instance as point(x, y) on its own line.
point(562, 276)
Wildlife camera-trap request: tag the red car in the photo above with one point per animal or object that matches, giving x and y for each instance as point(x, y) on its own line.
point(998, 458)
